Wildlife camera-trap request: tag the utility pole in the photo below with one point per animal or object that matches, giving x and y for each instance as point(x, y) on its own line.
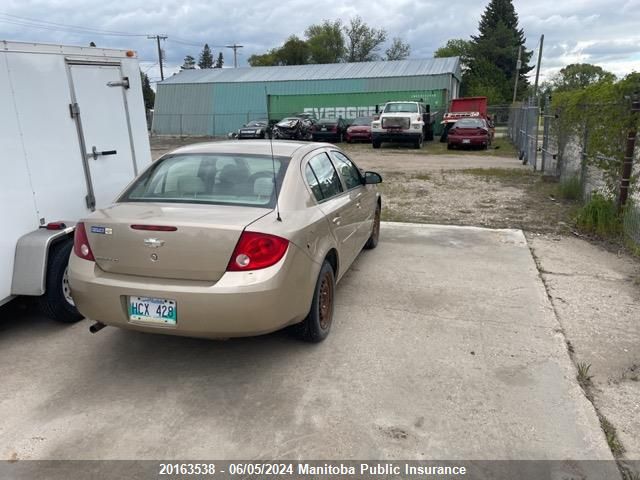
point(627, 165)
point(235, 48)
point(535, 88)
point(518, 65)
point(158, 38)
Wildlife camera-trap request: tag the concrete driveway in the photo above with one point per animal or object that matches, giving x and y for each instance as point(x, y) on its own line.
point(444, 346)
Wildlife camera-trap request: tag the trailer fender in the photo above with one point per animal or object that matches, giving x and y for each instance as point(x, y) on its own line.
point(32, 254)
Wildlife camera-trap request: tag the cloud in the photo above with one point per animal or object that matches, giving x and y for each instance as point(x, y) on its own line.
point(591, 31)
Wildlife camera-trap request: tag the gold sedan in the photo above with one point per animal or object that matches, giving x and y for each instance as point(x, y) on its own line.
point(227, 239)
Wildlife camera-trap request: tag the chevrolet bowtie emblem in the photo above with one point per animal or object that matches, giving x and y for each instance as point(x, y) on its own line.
point(153, 242)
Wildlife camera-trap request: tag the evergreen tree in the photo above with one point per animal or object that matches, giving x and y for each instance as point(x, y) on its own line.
point(495, 50)
point(148, 94)
point(189, 63)
point(219, 61)
point(206, 58)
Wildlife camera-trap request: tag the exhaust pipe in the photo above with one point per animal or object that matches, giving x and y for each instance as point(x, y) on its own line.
point(96, 327)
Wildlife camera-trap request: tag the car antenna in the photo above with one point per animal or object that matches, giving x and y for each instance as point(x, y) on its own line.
point(273, 160)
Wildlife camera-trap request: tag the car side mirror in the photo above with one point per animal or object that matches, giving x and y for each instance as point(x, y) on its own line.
point(371, 178)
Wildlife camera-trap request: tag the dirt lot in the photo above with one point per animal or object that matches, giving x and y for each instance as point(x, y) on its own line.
point(480, 188)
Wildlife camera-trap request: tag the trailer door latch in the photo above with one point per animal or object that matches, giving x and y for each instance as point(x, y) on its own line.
point(95, 153)
point(121, 83)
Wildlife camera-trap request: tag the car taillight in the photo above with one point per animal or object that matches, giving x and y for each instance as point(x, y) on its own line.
point(335, 128)
point(257, 250)
point(81, 243)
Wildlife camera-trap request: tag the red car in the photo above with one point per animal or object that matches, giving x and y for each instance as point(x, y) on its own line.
point(360, 129)
point(469, 132)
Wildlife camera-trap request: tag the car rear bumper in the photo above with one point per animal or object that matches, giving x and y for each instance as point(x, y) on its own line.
point(472, 140)
point(350, 136)
point(401, 136)
point(239, 304)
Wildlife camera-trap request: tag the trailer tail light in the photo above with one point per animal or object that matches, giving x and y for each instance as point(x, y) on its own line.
point(257, 250)
point(81, 243)
point(56, 226)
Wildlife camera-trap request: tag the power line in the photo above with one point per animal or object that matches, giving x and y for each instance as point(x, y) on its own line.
point(158, 38)
point(30, 22)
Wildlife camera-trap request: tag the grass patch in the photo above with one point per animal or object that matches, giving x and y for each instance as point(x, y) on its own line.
point(570, 189)
point(500, 174)
point(583, 377)
point(422, 176)
point(599, 216)
point(612, 437)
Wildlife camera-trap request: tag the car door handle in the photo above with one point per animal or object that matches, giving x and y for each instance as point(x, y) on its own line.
point(336, 220)
point(358, 204)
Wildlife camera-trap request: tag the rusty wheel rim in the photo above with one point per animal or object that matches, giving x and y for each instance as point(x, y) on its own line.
point(376, 225)
point(325, 301)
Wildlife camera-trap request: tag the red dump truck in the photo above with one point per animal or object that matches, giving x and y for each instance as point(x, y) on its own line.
point(466, 107)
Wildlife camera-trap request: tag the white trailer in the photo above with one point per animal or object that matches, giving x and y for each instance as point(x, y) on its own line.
point(73, 134)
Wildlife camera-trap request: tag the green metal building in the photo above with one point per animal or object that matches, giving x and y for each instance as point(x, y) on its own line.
point(217, 101)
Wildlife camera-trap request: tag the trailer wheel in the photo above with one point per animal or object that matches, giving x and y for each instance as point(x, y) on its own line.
point(56, 303)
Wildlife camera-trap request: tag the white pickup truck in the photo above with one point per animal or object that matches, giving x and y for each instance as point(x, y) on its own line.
point(401, 122)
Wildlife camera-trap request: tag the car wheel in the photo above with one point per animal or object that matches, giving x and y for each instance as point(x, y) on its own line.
point(449, 146)
point(375, 231)
point(340, 138)
point(56, 303)
point(418, 142)
point(316, 327)
point(375, 143)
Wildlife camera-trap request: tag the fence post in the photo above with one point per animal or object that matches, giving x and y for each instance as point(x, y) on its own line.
point(181, 131)
point(627, 165)
point(545, 139)
point(583, 162)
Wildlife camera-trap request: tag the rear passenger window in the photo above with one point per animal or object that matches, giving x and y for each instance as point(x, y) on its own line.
point(324, 177)
point(348, 170)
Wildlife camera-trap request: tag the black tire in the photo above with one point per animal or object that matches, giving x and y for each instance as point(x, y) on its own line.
point(56, 303)
point(376, 143)
point(449, 146)
point(418, 143)
point(372, 242)
point(340, 138)
point(316, 327)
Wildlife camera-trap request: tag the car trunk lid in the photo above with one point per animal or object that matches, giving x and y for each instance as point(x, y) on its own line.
point(198, 245)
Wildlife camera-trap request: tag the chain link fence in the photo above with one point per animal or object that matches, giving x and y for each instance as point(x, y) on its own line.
point(551, 147)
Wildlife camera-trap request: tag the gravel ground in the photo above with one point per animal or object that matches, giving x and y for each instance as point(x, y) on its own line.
point(478, 188)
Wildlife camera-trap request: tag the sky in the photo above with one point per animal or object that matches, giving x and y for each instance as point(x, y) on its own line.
point(604, 33)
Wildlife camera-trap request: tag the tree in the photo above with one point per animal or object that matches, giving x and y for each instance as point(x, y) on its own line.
point(206, 59)
point(398, 50)
point(148, 94)
point(326, 42)
point(295, 51)
point(363, 41)
point(219, 61)
point(264, 60)
point(497, 44)
point(580, 75)
point(456, 47)
point(189, 63)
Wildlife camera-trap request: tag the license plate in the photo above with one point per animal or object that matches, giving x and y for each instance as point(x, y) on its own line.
point(153, 310)
point(466, 140)
point(324, 129)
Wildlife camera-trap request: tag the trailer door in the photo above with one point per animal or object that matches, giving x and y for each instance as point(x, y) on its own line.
point(101, 113)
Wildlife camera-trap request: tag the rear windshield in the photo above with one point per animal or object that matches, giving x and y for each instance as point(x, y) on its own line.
point(327, 121)
point(469, 123)
point(401, 107)
point(220, 179)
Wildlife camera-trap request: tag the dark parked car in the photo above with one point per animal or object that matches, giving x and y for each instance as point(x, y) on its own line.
point(469, 132)
point(295, 128)
point(254, 129)
point(329, 130)
point(360, 129)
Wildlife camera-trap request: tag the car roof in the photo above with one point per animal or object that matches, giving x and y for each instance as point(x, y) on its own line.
point(281, 148)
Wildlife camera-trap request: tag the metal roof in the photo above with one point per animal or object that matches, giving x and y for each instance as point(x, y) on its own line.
point(330, 71)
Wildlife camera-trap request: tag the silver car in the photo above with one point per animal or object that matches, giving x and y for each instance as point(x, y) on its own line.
point(227, 239)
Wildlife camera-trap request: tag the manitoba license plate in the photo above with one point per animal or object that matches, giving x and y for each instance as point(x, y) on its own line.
point(153, 310)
